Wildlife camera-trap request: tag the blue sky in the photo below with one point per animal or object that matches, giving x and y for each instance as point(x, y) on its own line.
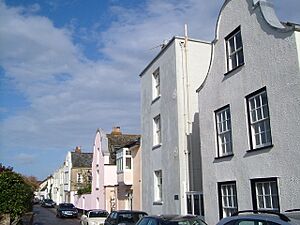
point(70, 67)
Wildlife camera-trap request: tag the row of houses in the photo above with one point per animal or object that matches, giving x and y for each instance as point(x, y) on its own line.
point(220, 123)
point(103, 179)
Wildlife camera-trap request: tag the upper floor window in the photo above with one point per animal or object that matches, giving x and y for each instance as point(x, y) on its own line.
point(79, 178)
point(123, 159)
point(156, 83)
point(158, 186)
point(227, 198)
point(234, 49)
point(128, 160)
point(265, 194)
point(259, 120)
point(223, 122)
point(156, 130)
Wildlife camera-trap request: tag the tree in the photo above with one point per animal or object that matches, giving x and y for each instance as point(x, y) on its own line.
point(15, 195)
point(3, 168)
point(32, 181)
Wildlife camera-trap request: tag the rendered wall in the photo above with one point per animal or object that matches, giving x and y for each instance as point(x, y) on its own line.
point(271, 61)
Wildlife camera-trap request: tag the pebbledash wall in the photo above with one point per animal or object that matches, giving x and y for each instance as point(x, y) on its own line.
point(271, 61)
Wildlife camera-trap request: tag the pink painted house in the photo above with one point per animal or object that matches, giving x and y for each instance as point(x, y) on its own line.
point(104, 171)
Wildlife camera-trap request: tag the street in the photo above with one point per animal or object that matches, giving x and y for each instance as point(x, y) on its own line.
point(47, 216)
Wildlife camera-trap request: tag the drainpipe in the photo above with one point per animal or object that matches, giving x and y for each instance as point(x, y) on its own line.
point(186, 103)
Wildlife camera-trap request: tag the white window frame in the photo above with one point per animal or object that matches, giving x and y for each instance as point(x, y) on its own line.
point(157, 130)
point(234, 51)
point(158, 186)
point(228, 198)
point(259, 120)
point(156, 83)
point(195, 204)
point(128, 157)
point(265, 194)
point(224, 135)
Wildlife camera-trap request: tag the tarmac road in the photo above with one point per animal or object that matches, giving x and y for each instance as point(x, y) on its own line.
point(47, 216)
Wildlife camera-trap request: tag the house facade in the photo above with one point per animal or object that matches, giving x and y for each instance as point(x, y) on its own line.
point(104, 171)
point(128, 160)
point(171, 172)
point(249, 110)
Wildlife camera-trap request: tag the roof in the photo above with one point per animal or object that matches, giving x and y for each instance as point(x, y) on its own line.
point(81, 159)
point(116, 141)
point(165, 47)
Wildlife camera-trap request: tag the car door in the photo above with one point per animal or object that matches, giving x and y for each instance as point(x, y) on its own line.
point(111, 219)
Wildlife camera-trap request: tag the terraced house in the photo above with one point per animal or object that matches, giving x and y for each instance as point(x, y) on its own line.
point(249, 110)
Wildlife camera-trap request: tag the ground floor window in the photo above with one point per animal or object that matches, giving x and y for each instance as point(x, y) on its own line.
point(265, 194)
point(227, 198)
point(195, 203)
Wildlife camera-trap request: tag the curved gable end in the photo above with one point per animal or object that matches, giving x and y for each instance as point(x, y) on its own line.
point(268, 12)
point(252, 84)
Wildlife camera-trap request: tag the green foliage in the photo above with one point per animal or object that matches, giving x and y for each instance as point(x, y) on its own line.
point(15, 195)
point(85, 190)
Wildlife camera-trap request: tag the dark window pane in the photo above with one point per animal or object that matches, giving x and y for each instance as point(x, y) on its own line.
point(238, 40)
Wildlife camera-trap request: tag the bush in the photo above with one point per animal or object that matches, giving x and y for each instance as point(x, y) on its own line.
point(85, 190)
point(15, 195)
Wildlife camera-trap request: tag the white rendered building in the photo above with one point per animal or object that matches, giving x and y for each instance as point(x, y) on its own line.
point(249, 109)
point(171, 171)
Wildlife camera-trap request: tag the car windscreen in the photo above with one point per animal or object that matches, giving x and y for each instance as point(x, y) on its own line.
point(98, 214)
point(66, 206)
point(191, 221)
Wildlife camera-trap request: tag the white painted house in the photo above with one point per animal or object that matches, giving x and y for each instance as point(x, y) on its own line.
point(249, 109)
point(171, 172)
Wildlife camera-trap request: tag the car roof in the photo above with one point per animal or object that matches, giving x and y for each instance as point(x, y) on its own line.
point(129, 211)
point(262, 215)
point(174, 217)
point(97, 210)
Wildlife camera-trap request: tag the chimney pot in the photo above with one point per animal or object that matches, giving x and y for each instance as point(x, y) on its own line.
point(78, 149)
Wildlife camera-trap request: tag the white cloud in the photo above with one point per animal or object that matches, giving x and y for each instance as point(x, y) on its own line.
point(71, 96)
point(25, 159)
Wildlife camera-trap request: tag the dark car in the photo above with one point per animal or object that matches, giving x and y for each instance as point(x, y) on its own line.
point(127, 217)
point(261, 217)
point(48, 203)
point(172, 220)
point(66, 210)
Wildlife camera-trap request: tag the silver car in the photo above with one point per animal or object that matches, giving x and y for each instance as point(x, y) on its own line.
point(262, 217)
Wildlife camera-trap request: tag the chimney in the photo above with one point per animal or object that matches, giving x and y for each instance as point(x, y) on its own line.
point(116, 131)
point(77, 149)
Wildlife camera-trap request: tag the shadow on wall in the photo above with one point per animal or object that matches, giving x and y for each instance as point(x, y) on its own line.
point(195, 166)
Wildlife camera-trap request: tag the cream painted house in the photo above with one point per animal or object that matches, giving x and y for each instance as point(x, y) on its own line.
point(128, 190)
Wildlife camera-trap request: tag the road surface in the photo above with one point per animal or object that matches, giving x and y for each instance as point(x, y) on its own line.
point(47, 216)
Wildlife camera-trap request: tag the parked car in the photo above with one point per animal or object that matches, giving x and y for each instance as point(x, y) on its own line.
point(66, 210)
point(260, 217)
point(125, 217)
point(172, 220)
point(94, 217)
point(48, 203)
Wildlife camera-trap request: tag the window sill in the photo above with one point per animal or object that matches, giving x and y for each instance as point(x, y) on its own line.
point(230, 71)
point(260, 148)
point(224, 156)
point(156, 146)
point(158, 203)
point(155, 99)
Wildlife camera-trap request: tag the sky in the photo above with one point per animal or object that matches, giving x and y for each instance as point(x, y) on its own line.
point(70, 67)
